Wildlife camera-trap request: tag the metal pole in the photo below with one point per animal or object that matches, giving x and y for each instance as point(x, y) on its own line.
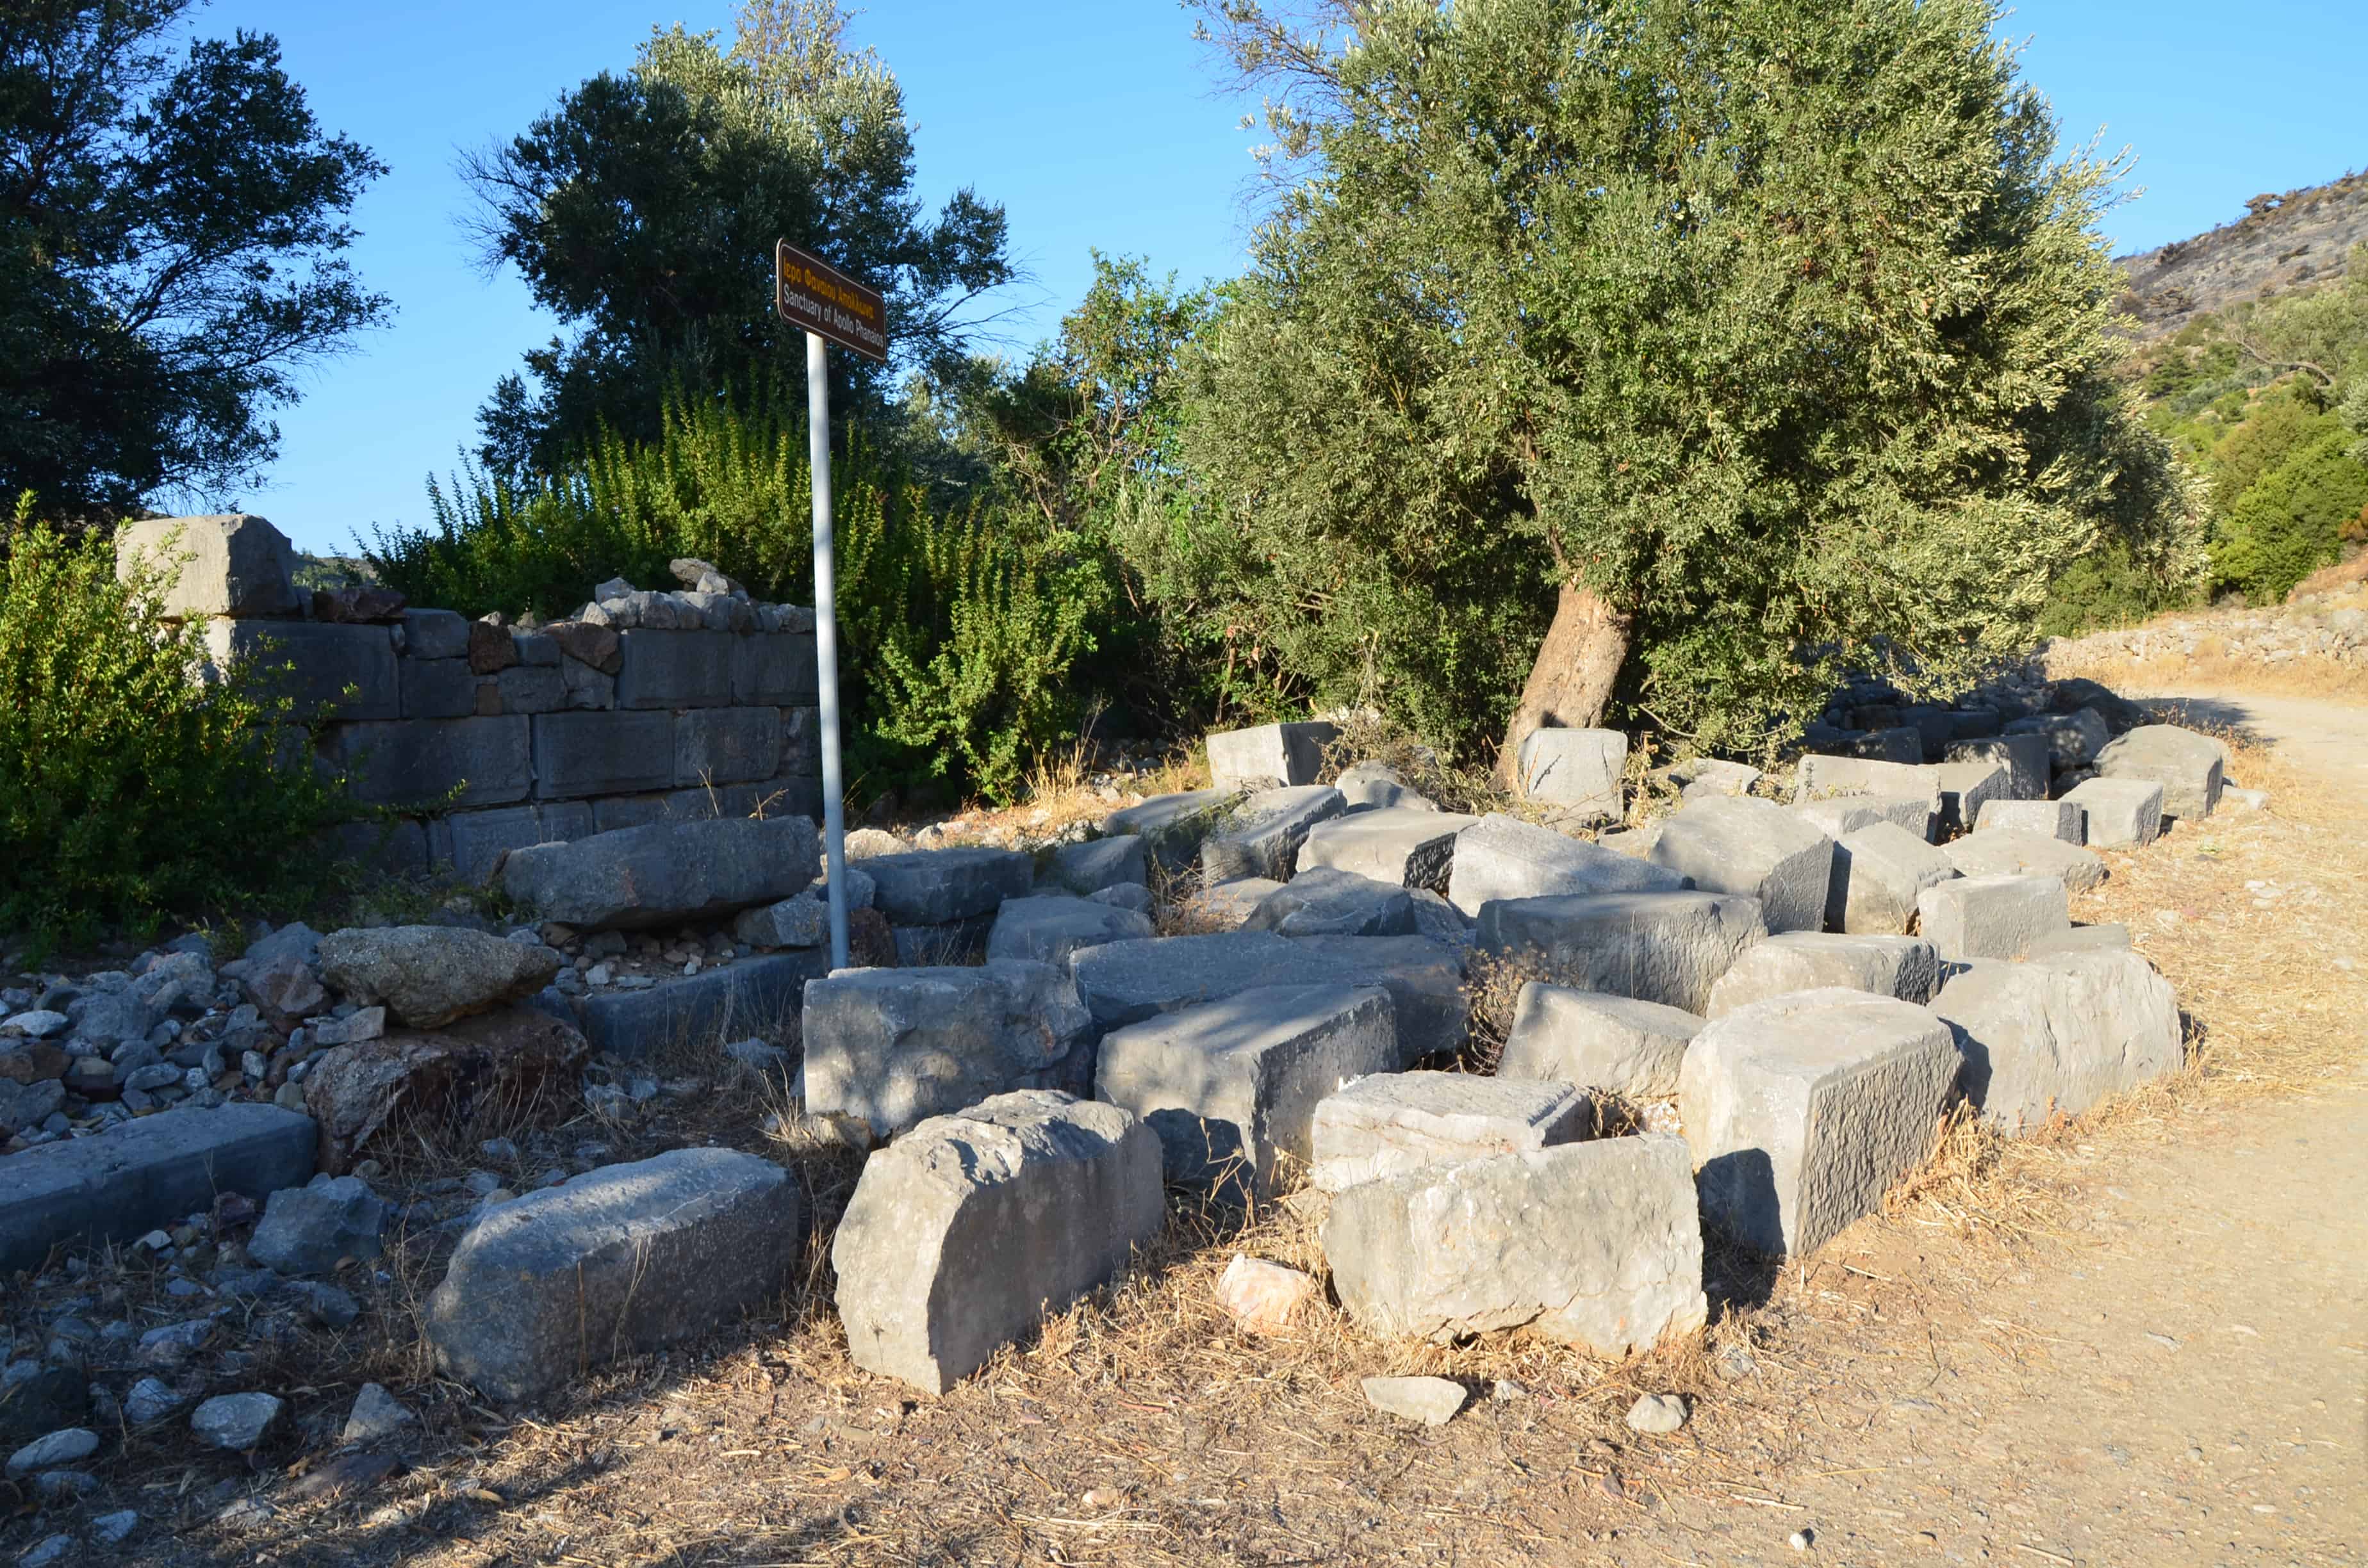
point(833, 820)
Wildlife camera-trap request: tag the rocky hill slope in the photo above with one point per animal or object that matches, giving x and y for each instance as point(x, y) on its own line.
point(2283, 243)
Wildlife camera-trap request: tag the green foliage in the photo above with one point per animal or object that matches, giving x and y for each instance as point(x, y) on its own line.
point(2291, 522)
point(170, 231)
point(2107, 587)
point(960, 627)
point(131, 789)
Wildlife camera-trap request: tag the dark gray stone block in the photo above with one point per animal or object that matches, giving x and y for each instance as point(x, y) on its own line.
point(747, 996)
point(726, 745)
point(675, 669)
point(772, 669)
point(416, 762)
point(601, 754)
point(315, 664)
point(664, 873)
point(533, 688)
point(435, 634)
point(931, 887)
point(437, 688)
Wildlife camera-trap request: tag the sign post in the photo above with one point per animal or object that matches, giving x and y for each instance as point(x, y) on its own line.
point(833, 308)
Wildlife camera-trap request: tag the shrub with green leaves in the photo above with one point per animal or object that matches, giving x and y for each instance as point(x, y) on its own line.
point(135, 785)
point(2290, 522)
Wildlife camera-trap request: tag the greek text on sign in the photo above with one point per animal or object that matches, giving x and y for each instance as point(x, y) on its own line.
point(811, 293)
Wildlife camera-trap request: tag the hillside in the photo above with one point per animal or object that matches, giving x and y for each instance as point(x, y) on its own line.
point(2281, 242)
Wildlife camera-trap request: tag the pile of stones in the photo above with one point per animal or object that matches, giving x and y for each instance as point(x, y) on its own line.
point(2326, 626)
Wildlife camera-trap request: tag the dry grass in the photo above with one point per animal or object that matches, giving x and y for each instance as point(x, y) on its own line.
point(2303, 676)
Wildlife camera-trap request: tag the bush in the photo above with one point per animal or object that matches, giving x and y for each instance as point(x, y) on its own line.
point(131, 787)
point(2290, 522)
point(2107, 587)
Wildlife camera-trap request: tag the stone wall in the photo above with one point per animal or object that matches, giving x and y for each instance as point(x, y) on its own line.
point(643, 707)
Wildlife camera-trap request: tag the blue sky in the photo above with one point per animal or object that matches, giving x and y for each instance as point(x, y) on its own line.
point(1097, 123)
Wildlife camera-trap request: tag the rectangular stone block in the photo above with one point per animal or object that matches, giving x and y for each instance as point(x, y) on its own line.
point(893, 1047)
point(1124, 983)
point(792, 794)
point(1992, 917)
point(437, 688)
point(533, 688)
point(1611, 1044)
point(1902, 967)
point(1818, 777)
point(417, 762)
point(664, 873)
point(612, 812)
point(1577, 771)
point(1231, 1087)
point(1803, 1111)
point(1263, 836)
point(747, 996)
point(932, 887)
point(1966, 787)
point(586, 687)
point(1172, 826)
point(338, 672)
point(398, 847)
point(1268, 756)
point(1738, 845)
point(772, 669)
point(2060, 1034)
point(227, 564)
point(726, 745)
point(601, 754)
point(1402, 846)
point(1424, 976)
point(1880, 871)
point(1393, 1124)
point(430, 634)
point(2011, 852)
point(1502, 859)
point(2049, 819)
point(1098, 863)
point(2117, 813)
point(676, 670)
point(1668, 947)
point(2073, 739)
point(478, 840)
point(2026, 758)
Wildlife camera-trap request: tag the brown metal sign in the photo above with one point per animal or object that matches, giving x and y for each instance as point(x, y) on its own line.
point(811, 293)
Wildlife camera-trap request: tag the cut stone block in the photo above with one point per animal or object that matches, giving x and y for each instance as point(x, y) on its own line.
point(2110, 939)
point(429, 975)
point(141, 1174)
point(476, 843)
point(1715, 776)
point(1048, 928)
point(2049, 819)
point(435, 634)
point(1501, 858)
point(601, 754)
point(1902, 967)
point(1405, 846)
point(2009, 852)
point(1423, 977)
point(1656, 947)
point(2028, 761)
point(625, 1259)
point(1126, 895)
point(748, 996)
point(1124, 983)
point(1595, 1245)
point(1819, 778)
point(2060, 1033)
point(2073, 739)
point(1231, 1087)
point(893, 1047)
point(1227, 904)
point(1263, 837)
point(1755, 848)
point(1380, 787)
point(1172, 826)
point(1837, 814)
point(1966, 787)
point(726, 745)
point(1992, 917)
point(1615, 1044)
point(1327, 902)
point(228, 564)
point(315, 664)
point(1578, 770)
point(667, 873)
point(1879, 874)
point(1268, 756)
point(2117, 813)
point(675, 669)
point(800, 922)
point(1394, 1123)
point(965, 1232)
point(1803, 1111)
point(932, 887)
point(437, 688)
point(532, 689)
point(1902, 745)
point(774, 669)
point(1086, 869)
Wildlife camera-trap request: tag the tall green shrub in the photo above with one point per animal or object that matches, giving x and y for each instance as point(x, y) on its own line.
point(2291, 522)
point(135, 783)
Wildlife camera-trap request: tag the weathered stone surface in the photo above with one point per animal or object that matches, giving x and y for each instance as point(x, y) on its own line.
point(1263, 1297)
point(69, 1446)
point(2073, 739)
point(1992, 917)
point(1727, 843)
point(1657, 1414)
point(800, 922)
point(2009, 852)
point(2112, 937)
point(236, 1421)
point(1966, 787)
point(2028, 761)
point(1837, 814)
point(1393, 1123)
point(1172, 826)
point(1714, 776)
point(1501, 858)
point(625, 1259)
point(1594, 1243)
point(1656, 946)
point(1086, 869)
point(1403, 846)
point(1327, 903)
point(726, 745)
point(667, 873)
point(675, 669)
point(1801, 1111)
point(435, 634)
point(492, 649)
point(376, 1417)
point(429, 975)
point(1902, 967)
point(1577, 770)
point(1379, 787)
point(1231, 1087)
point(1268, 756)
point(1879, 872)
point(933, 887)
point(1596, 1042)
point(306, 1230)
point(315, 665)
point(1124, 983)
point(227, 564)
point(1437, 919)
point(504, 1058)
point(1049, 928)
point(475, 761)
point(774, 668)
point(357, 604)
point(756, 995)
point(1225, 905)
point(895, 1047)
point(1423, 976)
point(2117, 813)
point(602, 753)
point(1826, 776)
point(141, 1174)
point(2060, 1033)
point(2049, 819)
point(1263, 837)
point(596, 648)
point(474, 844)
point(1434, 1402)
point(1126, 895)
point(966, 1231)
point(436, 688)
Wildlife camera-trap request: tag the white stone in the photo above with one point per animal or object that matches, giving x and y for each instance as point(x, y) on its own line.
point(1263, 1297)
point(1393, 1123)
point(1879, 872)
point(1992, 917)
point(2059, 1034)
point(2117, 813)
point(1753, 848)
point(2049, 819)
point(1598, 1041)
point(1902, 967)
point(2011, 852)
point(1431, 1400)
point(1501, 858)
point(1577, 770)
point(1268, 755)
point(1405, 846)
point(2191, 768)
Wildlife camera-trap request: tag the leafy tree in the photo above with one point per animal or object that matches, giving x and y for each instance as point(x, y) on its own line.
point(170, 231)
point(1718, 343)
point(642, 210)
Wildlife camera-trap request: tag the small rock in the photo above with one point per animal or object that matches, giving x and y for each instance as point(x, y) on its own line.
point(1263, 1296)
point(1801, 1541)
point(245, 1513)
point(69, 1446)
point(151, 1399)
point(306, 1229)
point(1431, 1400)
point(236, 1421)
point(377, 1414)
point(1660, 1414)
point(114, 1529)
point(61, 1485)
point(49, 1550)
point(505, 1149)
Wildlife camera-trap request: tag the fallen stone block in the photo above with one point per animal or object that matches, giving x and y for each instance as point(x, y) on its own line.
point(1047, 929)
point(1423, 976)
point(1268, 756)
point(1403, 846)
point(153, 1171)
point(1578, 771)
point(1613, 1044)
point(669, 873)
point(1172, 826)
point(969, 1229)
point(1596, 1244)
point(1501, 858)
point(2073, 739)
point(1231, 1087)
point(1126, 895)
point(306, 1230)
point(1879, 874)
point(1966, 788)
point(622, 1260)
point(506, 1059)
point(1226, 905)
point(800, 922)
point(1437, 919)
point(429, 975)
point(2191, 768)
point(2061, 1033)
point(1755, 848)
point(1379, 787)
point(1993, 916)
point(1262, 839)
point(752, 996)
point(1656, 946)
point(2117, 813)
point(893, 1047)
point(2101, 938)
point(1902, 967)
point(1089, 868)
point(1824, 777)
point(2049, 819)
point(228, 564)
point(2008, 852)
point(1714, 776)
point(1327, 903)
point(936, 887)
point(1803, 1110)
point(1393, 1123)
point(2028, 761)
point(1124, 983)
point(1837, 814)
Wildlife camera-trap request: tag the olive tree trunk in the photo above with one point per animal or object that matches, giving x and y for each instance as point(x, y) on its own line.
point(1570, 684)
